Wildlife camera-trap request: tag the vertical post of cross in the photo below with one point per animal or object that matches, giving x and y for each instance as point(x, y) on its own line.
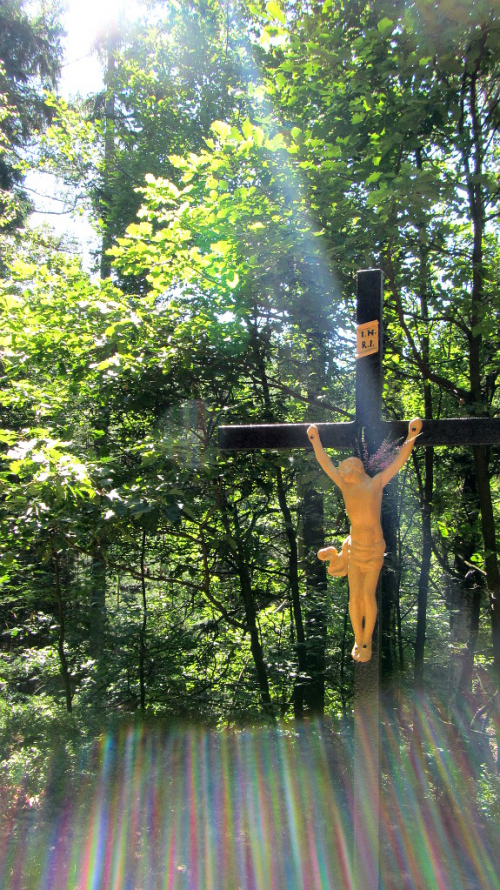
point(369, 343)
point(369, 326)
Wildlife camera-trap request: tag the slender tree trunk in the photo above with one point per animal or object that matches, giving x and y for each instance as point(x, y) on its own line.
point(255, 644)
point(427, 489)
point(389, 585)
point(468, 585)
point(426, 502)
point(293, 558)
point(109, 146)
point(473, 158)
point(490, 550)
point(425, 567)
point(249, 606)
point(253, 631)
point(97, 610)
point(315, 612)
point(144, 625)
point(315, 619)
point(63, 662)
point(293, 578)
point(465, 681)
point(343, 654)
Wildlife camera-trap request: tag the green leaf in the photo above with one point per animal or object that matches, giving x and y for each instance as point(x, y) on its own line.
point(443, 529)
point(247, 128)
point(258, 136)
point(221, 248)
point(275, 143)
point(274, 10)
point(384, 25)
point(233, 282)
point(222, 129)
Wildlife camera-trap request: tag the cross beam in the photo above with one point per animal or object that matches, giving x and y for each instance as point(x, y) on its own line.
point(369, 318)
point(453, 431)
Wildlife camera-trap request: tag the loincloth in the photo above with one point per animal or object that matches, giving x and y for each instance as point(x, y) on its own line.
point(365, 556)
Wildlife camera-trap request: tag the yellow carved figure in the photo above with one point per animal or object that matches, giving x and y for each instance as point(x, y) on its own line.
point(362, 553)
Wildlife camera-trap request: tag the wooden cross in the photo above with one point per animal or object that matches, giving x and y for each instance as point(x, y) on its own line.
point(369, 428)
point(455, 431)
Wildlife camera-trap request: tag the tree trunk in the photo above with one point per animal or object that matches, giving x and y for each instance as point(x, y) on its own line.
point(97, 610)
point(465, 682)
point(389, 585)
point(490, 550)
point(427, 489)
point(249, 607)
point(109, 144)
point(63, 662)
point(259, 344)
point(144, 625)
point(255, 644)
point(315, 611)
point(293, 577)
point(313, 524)
point(473, 158)
point(425, 567)
point(466, 590)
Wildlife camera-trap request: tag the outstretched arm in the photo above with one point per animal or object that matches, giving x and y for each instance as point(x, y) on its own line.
point(321, 456)
point(406, 449)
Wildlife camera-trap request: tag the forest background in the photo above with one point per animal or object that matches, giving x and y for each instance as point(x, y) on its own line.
point(244, 159)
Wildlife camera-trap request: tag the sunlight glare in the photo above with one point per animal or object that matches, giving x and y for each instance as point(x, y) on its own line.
point(84, 22)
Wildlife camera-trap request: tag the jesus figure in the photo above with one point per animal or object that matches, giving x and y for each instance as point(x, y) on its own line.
point(362, 554)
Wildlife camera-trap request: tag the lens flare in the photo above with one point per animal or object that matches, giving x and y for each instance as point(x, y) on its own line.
point(189, 809)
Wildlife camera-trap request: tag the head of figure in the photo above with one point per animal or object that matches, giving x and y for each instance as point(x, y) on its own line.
point(352, 469)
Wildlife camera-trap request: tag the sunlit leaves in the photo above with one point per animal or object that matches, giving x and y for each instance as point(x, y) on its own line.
point(262, 189)
point(275, 11)
point(384, 25)
point(48, 471)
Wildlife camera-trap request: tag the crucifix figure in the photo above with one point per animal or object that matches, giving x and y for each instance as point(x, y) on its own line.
point(362, 554)
point(370, 431)
point(366, 433)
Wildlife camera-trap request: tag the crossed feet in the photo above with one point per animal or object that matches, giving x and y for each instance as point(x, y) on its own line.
point(362, 653)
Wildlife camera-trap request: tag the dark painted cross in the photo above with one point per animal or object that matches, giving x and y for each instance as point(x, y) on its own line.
point(455, 431)
point(369, 428)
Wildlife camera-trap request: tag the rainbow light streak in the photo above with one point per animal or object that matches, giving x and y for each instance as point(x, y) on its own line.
point(252, 810)
point(430, 828)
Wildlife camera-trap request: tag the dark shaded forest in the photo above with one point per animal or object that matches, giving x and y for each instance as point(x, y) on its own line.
point(242, 162)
